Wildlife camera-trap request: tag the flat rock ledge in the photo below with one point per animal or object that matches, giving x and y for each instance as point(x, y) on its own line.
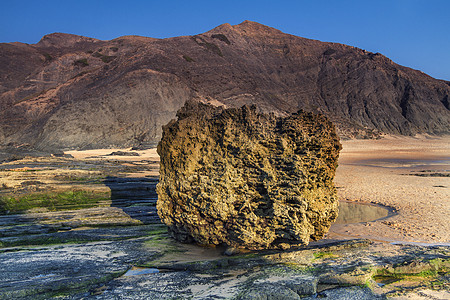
point(247, 179)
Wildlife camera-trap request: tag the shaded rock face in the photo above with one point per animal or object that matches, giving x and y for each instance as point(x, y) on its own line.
point(247, 179)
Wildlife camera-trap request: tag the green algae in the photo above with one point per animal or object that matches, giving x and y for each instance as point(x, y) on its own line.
point(426, 272)
point(53, 201)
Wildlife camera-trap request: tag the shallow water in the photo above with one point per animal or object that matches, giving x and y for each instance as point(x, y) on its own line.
point(397, 163)
point(360, 212)
point(141, 271)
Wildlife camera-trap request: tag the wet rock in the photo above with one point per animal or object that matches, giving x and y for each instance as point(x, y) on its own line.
point(354, 292)
point(61, 154)
point(300, 284)
point(31, 182)
point(41, 273)
point(412, 267)
point(247, 179)
point(354, 275)
point(124, 153)
point(269, 291)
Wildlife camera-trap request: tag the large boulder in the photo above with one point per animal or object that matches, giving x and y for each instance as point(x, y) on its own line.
point(247, 179)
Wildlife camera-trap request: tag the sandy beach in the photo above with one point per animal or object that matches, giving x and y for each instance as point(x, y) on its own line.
point(148, 156)
point(410, 175)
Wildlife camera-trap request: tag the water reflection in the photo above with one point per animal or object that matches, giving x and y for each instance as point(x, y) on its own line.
point(359, 212)
point(141, 271)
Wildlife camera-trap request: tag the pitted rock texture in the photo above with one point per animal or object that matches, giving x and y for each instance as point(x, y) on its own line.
point(247, 179)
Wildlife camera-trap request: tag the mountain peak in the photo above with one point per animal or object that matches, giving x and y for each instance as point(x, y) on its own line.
point(246, 28)
point(248, 23)
point(256, 28)
point(60, 40)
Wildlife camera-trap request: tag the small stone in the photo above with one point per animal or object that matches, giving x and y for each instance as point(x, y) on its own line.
point(269, 291)
point(99, 290)
point(284, 246)
point(231, 251)
point(123, 153)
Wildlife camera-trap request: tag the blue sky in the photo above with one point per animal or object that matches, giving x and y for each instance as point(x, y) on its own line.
point(414, 33)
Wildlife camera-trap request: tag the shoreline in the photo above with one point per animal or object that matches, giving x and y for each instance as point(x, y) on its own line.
point(410, 175)
point(380, 172)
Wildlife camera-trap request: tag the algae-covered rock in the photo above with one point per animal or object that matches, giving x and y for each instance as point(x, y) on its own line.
point(247, 179)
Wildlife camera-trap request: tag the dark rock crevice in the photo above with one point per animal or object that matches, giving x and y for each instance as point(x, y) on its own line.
point(445, 101)
point(404, 101)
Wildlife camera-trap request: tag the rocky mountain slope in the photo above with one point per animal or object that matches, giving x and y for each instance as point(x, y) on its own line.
point(70, 91)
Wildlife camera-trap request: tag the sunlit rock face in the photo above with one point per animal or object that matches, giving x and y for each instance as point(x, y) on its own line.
point(247, 179)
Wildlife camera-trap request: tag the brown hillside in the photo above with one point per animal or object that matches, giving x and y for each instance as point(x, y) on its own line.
point(70, 91)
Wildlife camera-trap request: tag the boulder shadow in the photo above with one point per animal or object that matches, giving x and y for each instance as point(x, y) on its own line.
point(135, 196)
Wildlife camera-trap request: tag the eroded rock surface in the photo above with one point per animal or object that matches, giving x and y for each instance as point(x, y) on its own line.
point(247, 179)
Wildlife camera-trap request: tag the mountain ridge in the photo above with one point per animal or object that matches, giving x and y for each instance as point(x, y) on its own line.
point(69, 91)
